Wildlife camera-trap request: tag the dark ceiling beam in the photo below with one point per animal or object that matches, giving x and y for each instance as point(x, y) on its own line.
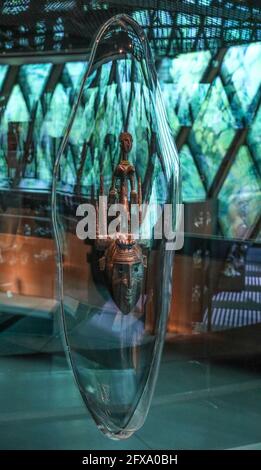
point(80, 27)
point(199, 33)
point(213, 69)
point(36, 57)
point(174, 37)
point(85, 7)
point(193, 25)
point(188, 27)
point(53, 78)
point(178, 5)
point(151, 32)
point(182, 136)
point(238, 140)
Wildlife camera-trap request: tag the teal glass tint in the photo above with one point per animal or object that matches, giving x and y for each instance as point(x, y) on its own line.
point(212, 131)
point(254, 139)
point(113, 319)
point(240, 203)
point(241, 74)
point(43, 95)
point(32, 78)
point(195, 191)
point(182, 76)
point(3, 71)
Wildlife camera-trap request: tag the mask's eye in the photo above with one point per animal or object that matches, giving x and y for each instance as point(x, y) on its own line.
point(120, 270)
point(136, 269)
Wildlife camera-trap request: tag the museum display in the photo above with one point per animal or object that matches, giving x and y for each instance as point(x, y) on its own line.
point(120, 255)
point(156, 316)
point(114, 314)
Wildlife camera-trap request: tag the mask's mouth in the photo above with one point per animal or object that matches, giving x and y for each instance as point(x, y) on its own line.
point(128, 295)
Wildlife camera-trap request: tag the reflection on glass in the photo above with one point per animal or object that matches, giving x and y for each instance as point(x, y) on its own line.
point(112, 322)
point(119, 287)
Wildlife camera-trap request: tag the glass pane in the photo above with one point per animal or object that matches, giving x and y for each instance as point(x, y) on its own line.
point(240, 70)
point(212, 131)
point(207, 395)
point(118, 146)
point(192, 186)
point(75, 71)
point(32, 78)
point(240, 204)
point(254, 139)
point(183, 93)
point(3, 71)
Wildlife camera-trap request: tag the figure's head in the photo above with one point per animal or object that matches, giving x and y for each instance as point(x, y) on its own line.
point(126, 141)
point(125, 270)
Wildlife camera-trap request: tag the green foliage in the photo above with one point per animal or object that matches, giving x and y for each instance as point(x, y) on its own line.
point(212, 110)
point(240, 196)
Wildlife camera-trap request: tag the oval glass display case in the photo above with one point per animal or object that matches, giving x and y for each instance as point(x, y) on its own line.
point(114, 217)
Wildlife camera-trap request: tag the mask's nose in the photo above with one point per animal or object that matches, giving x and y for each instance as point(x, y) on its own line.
point(127, 278)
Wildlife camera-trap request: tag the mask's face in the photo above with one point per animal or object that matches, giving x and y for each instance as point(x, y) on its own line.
point(126, 142)
point(127, 285)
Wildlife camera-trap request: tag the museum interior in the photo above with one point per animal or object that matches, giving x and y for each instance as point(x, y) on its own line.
point(152, 102)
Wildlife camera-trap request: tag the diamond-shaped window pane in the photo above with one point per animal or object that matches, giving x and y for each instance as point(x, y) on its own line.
point(58, 113)
point(3, 71)
point(76, 71)
point(192, 186)
point(254, 138)
point(240, 196)
point(241, 71)
point(188, 69)
point(16, 109)
point(212, 132)
point(32, 78)
point(185, 73)
point(95, 104)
